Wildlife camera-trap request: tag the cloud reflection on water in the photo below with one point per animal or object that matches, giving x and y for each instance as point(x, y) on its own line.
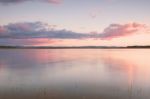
point(76, 71)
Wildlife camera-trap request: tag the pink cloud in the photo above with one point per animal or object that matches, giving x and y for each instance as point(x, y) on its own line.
point(29, 30)
point(119, 30)
point(20, 1)
point(2, 29)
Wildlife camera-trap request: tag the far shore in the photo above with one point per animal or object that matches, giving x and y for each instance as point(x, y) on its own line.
point(74, 47)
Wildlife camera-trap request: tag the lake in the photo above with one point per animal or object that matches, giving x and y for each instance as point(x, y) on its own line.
point(74, 74)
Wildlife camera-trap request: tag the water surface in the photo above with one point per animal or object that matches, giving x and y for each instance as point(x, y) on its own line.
point(74, 73)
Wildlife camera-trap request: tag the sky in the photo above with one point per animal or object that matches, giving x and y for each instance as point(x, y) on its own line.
point(74, 22)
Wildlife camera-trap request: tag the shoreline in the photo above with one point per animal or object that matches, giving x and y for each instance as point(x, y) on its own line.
point(80, 47)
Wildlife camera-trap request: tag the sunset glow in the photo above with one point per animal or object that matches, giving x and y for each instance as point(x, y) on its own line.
point(74, 22)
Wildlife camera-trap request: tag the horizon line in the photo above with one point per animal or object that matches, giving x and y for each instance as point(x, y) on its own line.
point(73, 47)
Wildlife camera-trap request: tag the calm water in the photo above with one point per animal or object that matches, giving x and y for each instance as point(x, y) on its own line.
point(74, 74)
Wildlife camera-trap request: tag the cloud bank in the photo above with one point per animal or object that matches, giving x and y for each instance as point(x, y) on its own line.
point(29, 30)
point(20, 1)
point(119, 30)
